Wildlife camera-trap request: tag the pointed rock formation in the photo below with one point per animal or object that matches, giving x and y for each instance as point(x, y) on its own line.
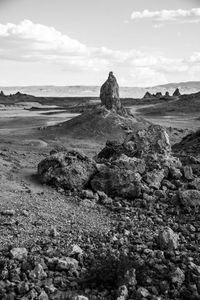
point(147, 95)
point(176, 93)
point(110, 120)
point(158, 95)
point(109, 94)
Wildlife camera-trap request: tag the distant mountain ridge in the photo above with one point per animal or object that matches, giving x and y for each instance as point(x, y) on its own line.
point(93, 91)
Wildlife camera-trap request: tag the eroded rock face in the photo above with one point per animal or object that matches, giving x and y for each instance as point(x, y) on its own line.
point(69, 170)
point(109, 93)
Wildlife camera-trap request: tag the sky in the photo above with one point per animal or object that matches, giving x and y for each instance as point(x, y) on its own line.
point(77, 42)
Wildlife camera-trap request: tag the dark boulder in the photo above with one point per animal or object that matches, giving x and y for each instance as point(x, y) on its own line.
point(69, 170)
point(118, 180)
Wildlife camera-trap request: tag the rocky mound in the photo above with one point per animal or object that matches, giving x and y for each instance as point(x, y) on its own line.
point(141, 164)
point(108, 121)
point(152, 250)
point(100, 124)
point(142, 161)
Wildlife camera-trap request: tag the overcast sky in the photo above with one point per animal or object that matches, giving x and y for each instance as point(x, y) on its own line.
point(75, 42)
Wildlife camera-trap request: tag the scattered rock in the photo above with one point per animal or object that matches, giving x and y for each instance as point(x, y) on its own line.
point(53, 232)
point(178, 277)
point(76, 250)
point(154, 178)
point(188, 173)
point(67, 264)
point(167, 239)
point(190, 198)
point(142, 292)
point(8, 212)
point(38, 273)
point(81, 297)
point(19, 253)
point(122, 293)
point(43, 296)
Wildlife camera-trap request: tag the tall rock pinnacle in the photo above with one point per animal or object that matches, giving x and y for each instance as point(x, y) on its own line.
point(109, 94)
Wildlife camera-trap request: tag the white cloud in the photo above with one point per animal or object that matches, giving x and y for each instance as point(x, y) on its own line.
point(147, 76)
point(29, 42)
point(179, 15)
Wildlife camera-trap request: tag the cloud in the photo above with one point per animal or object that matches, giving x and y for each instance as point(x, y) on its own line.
point(28, 42)
point(179, 15)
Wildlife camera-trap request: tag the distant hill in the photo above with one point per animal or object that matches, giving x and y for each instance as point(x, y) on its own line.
point(93, 91)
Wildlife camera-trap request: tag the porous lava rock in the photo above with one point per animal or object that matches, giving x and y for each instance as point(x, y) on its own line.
point(109, 93)
point(70, 170)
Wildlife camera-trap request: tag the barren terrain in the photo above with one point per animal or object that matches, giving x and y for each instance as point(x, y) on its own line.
point(48, 222)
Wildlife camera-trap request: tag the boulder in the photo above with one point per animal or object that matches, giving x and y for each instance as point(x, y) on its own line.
point(69, 170)
point(19, 253)
point(195, 184)
point(190, 198)
point(116, 180)
point(154, 178)
point(167, 239)
point(109, 93)
point(178, 277)
point(188, 173)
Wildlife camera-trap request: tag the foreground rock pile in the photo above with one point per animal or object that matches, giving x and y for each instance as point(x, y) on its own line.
point(152, 250)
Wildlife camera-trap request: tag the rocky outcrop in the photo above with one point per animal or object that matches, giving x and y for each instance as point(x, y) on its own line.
point(147, 95)
point(176, 93)
point(158, 95)
point(151, 141)
point(69, 170)
point(144, 158)
point(167, 94)
point(109, 94)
